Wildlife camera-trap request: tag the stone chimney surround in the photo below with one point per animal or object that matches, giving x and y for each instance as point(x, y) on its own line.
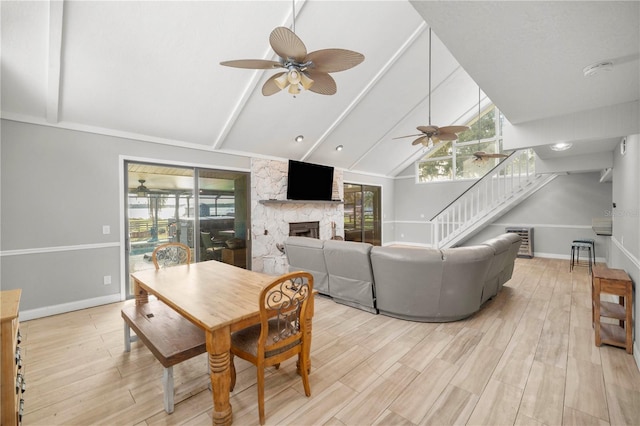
point(271, 213)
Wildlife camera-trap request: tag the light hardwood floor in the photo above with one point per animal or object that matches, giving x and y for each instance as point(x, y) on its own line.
point(527, 358)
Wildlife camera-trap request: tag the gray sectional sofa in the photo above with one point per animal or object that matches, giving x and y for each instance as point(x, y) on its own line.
point(418, 284)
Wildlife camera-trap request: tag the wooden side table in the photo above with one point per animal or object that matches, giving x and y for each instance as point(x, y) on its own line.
point(615, 282)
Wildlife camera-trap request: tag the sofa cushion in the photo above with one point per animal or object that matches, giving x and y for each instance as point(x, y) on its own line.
point(305, 254)
point(350, 276)
point(407, 281)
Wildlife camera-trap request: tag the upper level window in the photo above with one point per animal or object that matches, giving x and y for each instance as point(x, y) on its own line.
point(454, 160)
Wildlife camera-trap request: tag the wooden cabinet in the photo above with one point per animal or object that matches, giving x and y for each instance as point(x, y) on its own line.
point(12, 384)
point(613, 282)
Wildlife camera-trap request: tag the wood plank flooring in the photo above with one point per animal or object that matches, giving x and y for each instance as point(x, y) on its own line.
point(527, 358)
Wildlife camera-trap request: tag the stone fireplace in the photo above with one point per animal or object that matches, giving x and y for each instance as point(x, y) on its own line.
point(272, 214)
point(305, 229)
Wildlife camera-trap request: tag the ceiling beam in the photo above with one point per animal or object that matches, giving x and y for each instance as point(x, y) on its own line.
point(56, 13)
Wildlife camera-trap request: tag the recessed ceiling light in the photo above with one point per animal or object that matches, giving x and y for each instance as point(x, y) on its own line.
point(339, 148)
point(594, 69)
point(299, 138)
point(561, 146)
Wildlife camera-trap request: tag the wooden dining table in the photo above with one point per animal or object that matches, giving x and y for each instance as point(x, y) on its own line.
point(220, 299)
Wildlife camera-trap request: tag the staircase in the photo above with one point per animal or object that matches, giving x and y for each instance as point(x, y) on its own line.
point(503, 187)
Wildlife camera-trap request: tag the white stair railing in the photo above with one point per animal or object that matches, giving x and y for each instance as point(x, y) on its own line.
point(486, 197)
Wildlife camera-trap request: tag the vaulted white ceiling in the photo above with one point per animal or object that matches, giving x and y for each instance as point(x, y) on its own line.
point(150, 70)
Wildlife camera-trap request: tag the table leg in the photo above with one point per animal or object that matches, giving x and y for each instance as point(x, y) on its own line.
point(141, 294)
point(218, 345)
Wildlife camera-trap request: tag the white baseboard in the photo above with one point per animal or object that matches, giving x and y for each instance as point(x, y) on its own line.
point(68, 307)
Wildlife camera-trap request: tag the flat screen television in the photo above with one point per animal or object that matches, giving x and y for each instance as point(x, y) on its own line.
point(308, 181)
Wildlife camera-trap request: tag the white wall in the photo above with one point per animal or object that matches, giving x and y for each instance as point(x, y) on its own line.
point(625, 242)
point(559, 213)
point(58, 188)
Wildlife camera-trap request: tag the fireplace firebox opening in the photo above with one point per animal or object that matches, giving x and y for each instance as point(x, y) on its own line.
point(305, 229)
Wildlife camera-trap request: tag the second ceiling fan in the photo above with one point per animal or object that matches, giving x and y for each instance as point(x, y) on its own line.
point(432, 134)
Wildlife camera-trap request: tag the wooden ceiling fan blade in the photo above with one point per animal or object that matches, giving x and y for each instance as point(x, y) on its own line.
point(334, 60)
point(407, 136)
point(424, 140)
point(323, 83)
point(255, 64)
point(428, 129)
point(287, 44)
point(447, 136)
point(270, 87)
point(453, 129)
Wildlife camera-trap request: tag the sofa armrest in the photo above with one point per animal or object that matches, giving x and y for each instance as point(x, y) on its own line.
point(305, 254)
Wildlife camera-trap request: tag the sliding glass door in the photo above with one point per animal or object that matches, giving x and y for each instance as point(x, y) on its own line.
point(203, 208)
point(362, 213)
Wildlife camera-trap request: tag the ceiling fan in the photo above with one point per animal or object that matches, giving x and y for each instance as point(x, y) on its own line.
point(482, 155)
point(309, 71)
point(142, 190)
point(433, 134)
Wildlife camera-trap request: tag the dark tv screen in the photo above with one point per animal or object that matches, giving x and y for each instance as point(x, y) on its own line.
point(308, 181)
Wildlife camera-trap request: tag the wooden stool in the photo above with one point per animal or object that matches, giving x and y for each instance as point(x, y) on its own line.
point(615, 282)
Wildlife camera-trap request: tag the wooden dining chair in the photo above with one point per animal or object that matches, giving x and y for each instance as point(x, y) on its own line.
point(281, 333)
point(171, 254)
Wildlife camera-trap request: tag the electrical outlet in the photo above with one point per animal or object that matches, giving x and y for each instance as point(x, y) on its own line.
point(106, 229)
point(107, 279)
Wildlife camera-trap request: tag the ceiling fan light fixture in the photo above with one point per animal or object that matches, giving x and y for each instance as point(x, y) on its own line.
point(293, 76)
point(561, 146)
point(282, 81)
point(305, 81)
point(294, 89)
